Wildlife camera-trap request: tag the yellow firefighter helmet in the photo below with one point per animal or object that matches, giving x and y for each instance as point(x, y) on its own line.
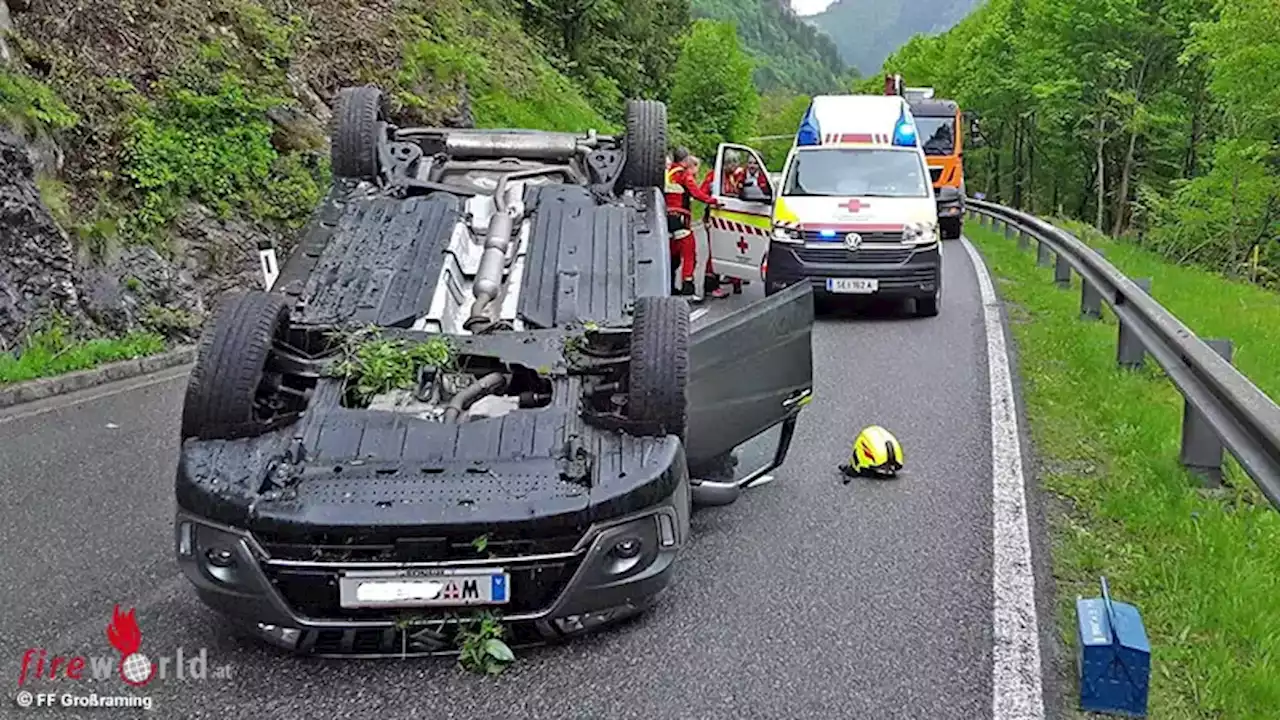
point(876, 450)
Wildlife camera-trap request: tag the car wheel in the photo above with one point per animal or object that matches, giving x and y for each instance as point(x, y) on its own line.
point(230, 392)
point(928, 306)
point(645, 144)
point(656, 399)
point(357, 114)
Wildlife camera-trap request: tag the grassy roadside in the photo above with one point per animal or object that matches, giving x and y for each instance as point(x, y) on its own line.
point(51, 352)
point(1202, 566)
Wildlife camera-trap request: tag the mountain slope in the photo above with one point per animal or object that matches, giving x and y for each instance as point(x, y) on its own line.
point(790, 54)
point(867, 31)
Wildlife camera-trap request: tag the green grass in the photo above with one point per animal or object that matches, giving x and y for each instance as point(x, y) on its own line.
point(50, 352)
point(1203, 567)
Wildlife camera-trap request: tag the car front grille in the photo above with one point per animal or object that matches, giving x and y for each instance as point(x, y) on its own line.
point(313, 591)
point(423, 639)
point(838, 254)
point(356, 549)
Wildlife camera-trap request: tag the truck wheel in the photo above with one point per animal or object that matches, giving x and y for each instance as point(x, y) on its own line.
point(354, 151)
point(645, 145)
point(230, 393)
point(950, 228)
point(659, 371)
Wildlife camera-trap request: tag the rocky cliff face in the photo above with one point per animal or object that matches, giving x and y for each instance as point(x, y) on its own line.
point(174, 136)
point(38, 274)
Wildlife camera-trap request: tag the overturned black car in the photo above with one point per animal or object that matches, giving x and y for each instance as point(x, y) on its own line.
point(469, 387)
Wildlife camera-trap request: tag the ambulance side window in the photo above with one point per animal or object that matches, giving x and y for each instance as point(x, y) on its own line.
point(730, 173)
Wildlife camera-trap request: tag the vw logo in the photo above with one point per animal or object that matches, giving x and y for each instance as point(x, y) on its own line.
point(852, 241)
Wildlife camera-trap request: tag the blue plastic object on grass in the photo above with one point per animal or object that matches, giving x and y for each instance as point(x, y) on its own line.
point(1113, 656)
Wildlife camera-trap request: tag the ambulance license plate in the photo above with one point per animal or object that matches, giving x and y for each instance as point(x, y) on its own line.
point(852, 285)
point(423, 588)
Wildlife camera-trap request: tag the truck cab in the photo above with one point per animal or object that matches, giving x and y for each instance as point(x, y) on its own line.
point(944, 130)
point(853, 212)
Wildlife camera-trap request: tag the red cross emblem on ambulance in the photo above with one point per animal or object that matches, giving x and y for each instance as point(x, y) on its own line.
point(742, 245)
point(854, 205)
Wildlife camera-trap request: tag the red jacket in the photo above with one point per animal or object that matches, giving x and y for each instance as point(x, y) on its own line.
point(681, 187)
point(737, 179)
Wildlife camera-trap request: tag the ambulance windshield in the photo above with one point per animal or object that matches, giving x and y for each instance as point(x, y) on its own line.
point(857, 172)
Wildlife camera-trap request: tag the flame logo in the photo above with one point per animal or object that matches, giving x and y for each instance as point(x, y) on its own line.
point(124, 635)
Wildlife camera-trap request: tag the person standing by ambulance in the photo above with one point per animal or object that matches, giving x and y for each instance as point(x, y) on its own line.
point(681, 189)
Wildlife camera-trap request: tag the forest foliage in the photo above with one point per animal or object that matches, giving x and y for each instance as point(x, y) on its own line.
point(791, 55)
point(1154, 119)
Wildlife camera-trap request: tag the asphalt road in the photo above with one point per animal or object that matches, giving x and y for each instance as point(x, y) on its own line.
point(806, 599)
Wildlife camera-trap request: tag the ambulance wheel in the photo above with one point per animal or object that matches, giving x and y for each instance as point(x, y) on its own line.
point(357, 114)
point(928, 306)
point(659, 373)
point(645, 145)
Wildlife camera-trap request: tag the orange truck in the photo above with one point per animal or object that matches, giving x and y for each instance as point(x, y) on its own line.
point(942, 131)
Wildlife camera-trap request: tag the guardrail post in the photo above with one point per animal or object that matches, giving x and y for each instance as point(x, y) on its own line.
point(1090, 299)
point(1129, 350)
point(982, 221)
point(1024, 240)
point(1008, 230)
point(1062, 271)
point(1202, 448)
point(1042, 254)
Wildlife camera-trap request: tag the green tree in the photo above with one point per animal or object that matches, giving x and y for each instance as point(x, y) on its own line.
point(713, 99)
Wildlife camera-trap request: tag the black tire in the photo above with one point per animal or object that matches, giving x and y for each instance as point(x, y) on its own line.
point(645, 145)
point(656, 400)
point(928, 306)
point(950, 228)
point(354, 151)
point(222, 400)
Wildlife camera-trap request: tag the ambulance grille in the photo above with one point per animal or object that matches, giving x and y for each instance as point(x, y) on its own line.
point(886, 256)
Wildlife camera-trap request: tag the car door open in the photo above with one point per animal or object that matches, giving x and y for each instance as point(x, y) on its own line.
point(748, 372)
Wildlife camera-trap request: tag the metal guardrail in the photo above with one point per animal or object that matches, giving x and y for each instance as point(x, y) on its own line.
point(1222, 407)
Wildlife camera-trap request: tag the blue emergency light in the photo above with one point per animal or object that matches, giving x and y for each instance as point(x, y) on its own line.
point(827, 233)
point(904, 133)
point(810, 133)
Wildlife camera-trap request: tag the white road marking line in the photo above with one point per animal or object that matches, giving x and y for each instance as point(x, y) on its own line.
point(1016, 674)
point(693, 316)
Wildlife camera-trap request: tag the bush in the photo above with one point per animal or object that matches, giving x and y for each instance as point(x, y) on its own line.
point(28, 103)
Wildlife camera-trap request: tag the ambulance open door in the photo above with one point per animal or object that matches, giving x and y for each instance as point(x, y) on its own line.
point(738, 232)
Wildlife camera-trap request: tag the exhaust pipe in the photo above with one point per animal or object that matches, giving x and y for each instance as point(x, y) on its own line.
point(497, 244)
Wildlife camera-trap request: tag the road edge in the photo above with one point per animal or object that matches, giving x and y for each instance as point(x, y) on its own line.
point(43, 388)
point(1018, 660)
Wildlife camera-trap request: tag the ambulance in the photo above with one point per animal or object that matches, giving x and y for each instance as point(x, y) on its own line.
point(853, 214)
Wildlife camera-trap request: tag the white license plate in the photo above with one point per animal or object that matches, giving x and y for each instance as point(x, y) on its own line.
point(423, 588)
point(852, 285)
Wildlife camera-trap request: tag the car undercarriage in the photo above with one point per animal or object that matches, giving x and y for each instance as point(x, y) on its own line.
point(469, 388)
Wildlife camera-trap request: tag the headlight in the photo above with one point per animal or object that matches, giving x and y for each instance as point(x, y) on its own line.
point(784, 234)
point(920, 233)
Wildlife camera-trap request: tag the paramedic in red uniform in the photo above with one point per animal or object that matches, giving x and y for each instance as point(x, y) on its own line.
point(681, 189)
point(711, 282)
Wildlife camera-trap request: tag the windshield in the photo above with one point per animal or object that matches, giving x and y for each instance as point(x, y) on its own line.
point(937, 135)
point(857, 172)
